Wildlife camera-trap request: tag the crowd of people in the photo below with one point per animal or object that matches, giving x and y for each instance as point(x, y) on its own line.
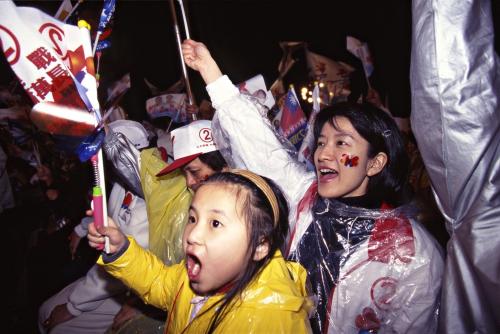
point(216, 226)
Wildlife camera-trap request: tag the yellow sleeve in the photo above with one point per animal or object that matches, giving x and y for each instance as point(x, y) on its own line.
point(146, 274)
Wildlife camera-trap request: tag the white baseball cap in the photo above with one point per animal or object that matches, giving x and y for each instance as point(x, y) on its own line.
point(189, 142)
point(134, 131)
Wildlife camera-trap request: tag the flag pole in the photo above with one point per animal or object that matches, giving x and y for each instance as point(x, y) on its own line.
point(72, 10)
point(179, 47)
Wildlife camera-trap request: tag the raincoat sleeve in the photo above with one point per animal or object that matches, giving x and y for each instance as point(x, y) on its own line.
point(146, 274)
point(246, 139)
point(455, 81)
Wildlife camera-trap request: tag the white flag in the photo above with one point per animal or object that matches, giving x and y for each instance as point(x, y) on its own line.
point(360, 50)
point(64, 9)
point(51, 59)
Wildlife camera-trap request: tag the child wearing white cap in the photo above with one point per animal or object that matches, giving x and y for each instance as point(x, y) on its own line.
point(194, 151)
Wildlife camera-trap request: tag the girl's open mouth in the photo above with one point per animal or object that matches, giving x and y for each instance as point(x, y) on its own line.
point(193, 265)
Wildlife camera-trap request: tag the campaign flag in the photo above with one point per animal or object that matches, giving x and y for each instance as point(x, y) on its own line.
point(51, 59)
point(171, 105)
point(361, 51)
point(256, 87)
point(107, 12)
point(306, 150)
point(334, 74)
point(286, 63)
point(293, 121)
point(118, 87)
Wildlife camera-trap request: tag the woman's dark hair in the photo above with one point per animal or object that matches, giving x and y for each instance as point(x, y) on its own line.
point(382, 134)
point(214, 160)
point(258, 214)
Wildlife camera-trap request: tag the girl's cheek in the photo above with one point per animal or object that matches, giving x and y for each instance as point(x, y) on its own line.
point(349, 160)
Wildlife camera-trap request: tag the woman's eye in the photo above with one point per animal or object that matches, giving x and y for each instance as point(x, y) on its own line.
point(320, 144)
point(192, 220)
point(341, 143)
point(215, 223)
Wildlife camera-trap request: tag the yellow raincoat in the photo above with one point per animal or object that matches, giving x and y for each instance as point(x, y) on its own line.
point(274, 302)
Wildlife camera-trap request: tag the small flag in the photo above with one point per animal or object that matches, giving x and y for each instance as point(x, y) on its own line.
point(306, 151)
point(107, 12)
point(256, 87)
point(64, 10)
point(118, 88)
point(361, 51)
point(171, 105)
point(293, 121)
point(285, 65)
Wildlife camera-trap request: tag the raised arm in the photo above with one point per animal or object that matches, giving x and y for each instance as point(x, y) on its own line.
point(455, 83)
point(242, 131)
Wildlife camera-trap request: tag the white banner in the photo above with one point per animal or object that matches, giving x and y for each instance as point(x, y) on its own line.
point(47, 54)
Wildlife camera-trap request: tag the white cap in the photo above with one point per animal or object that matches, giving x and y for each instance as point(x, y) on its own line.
point(189, 142)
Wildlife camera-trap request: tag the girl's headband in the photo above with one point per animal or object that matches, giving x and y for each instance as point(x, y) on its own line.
point(264, 187)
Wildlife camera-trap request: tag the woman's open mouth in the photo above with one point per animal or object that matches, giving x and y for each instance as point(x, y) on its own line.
point(326, 174)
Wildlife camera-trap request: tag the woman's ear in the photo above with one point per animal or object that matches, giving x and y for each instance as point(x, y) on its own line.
point(261, 251)
point(376, 164)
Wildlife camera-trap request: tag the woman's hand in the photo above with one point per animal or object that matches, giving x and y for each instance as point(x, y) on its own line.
point(116, 238)
point(197, 57)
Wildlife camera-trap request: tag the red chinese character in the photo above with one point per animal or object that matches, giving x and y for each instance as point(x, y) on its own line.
point(33, 97)
point(41, 87)
point(41, 58)
point(57, 72)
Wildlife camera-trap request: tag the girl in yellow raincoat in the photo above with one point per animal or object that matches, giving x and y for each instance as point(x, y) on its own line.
point(234, 278)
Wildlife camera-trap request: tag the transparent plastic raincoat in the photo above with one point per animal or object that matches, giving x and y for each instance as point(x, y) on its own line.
point(371, 270)
point(274, 302)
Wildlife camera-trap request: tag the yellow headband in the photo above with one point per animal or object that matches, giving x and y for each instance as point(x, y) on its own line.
point(264, 187)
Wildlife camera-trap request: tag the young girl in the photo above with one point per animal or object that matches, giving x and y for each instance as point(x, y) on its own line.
point(372, 268)
point(234, 278)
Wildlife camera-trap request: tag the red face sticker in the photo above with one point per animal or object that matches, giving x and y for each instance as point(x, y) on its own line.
point(349, 160)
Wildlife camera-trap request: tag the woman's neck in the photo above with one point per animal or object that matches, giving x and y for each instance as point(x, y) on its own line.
point(363, 201)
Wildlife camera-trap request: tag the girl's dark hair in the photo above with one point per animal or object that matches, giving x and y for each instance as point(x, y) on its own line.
point(382, 133)
point(258, 215)
point(214, 160)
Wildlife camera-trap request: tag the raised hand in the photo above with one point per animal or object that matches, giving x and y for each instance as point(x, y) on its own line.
point(116, 238)
point(197, 57)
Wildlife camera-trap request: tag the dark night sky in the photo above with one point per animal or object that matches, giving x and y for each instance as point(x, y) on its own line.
point(243, 36)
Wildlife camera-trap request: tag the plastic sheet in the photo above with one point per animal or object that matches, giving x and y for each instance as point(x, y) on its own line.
point(125, 159)
point(372, 270)
point(455, 116)
point(167, 200)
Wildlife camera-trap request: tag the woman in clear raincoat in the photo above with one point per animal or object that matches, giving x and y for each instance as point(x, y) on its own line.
point(372, 267)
